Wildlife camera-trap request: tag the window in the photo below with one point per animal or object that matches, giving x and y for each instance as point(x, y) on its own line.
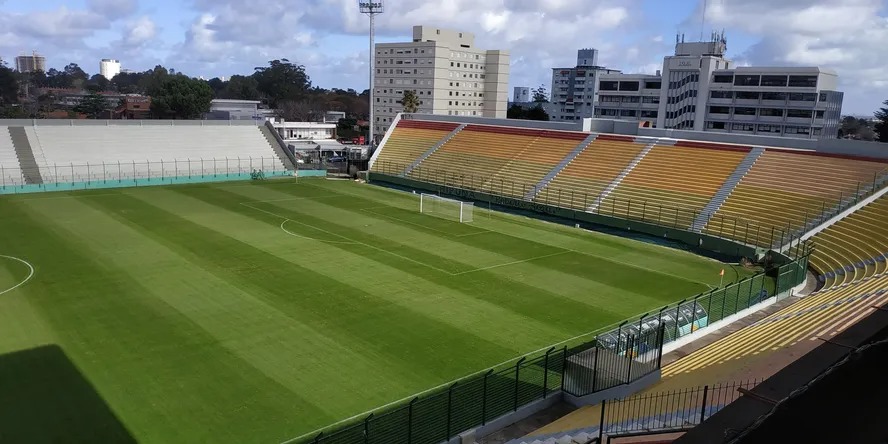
point(649, 99)
point(797, 130)
point(823, 97)
point(774, 96)
point(648, 114)
point(818, 114)
point(653, 84)
point(742, 127)
point(609, 112)
point(803, 81)
point(719, 110)
point(377, 70)
point(610, 99)
point(769, 128)
point(628, 113)
point(802, 97)
point(747, 95)
point(723, 78)
point(628, 86)
point(451, 64)
point(608, 85)
point(802, 113)
point(715, 125)
point(771, 112)
point(631, 99)
point(746, 80)
point(817, 131)
point(740, 111)
point(721, 94)
point(773, 80)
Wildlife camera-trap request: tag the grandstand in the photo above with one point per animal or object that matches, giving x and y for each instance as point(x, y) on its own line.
point(10, 171)
point(853, 248)
point(756, 195)
point(83, 153)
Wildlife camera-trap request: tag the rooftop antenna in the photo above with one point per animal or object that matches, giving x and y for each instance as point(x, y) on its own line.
point(703, 19)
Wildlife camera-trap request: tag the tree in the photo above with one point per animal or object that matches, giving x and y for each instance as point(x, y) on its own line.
point(128, 82)
point(217, 85)
point(153, 80)
point(882, 123)
point(77, 77)
point(518, 112)
point(540, 95)
point(9, 86)
point(93, 105)
point(410, 101)
point(98, 82)
point(306, 110)
point(241, 87)
point(282, 80)
point(181, 97)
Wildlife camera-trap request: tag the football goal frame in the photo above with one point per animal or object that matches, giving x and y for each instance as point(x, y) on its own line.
point(451, 209)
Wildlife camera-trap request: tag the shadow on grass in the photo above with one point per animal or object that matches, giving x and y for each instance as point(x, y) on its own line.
point(44, 398)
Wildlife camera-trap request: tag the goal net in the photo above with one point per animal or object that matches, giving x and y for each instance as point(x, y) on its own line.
point(446, 208)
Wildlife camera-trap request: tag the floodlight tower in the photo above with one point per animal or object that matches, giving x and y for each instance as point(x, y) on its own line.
point(371, 8)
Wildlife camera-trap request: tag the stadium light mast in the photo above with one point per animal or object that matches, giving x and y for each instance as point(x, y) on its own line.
point(371, 8)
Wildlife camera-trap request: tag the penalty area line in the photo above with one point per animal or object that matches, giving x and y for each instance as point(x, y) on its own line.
point(513, 262)
point(30, 273)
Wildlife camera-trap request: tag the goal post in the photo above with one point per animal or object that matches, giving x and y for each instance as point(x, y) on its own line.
point(445, 208)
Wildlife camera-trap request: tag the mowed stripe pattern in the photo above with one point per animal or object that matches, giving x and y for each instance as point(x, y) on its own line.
point(195, 316)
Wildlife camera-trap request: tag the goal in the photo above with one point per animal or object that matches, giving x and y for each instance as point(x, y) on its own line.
point(446, 208)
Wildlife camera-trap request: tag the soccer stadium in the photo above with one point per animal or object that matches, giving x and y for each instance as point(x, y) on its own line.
point(483, 280)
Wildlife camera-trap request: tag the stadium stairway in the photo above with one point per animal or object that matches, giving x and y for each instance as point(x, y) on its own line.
point(564, 162)
point(277, 146)
point(10, 169)
point(617, 180)
point(727, 188)
point(432, 149)
point(762, 349)
point(27, 162)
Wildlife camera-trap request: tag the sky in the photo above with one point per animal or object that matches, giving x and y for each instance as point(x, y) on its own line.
point(216, 38)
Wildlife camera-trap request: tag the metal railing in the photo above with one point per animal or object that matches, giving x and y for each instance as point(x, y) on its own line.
point(732, 228)
point(108, 173)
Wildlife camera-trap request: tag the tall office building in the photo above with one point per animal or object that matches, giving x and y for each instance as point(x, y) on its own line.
point(699, 89)
point(30, 63)
point(449, 74)
point(109, 68)
point(574, 90)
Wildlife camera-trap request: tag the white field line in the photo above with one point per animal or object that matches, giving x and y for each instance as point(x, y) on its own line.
point(311, 238)
point(30, 274)
point(370, 210)
point(354, 241)
point(513, 262)
point(485, 231)
point(62, 197)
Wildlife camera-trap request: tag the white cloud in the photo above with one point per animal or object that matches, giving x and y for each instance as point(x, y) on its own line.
point(139, 32)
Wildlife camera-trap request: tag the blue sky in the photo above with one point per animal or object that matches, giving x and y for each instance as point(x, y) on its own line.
point(222, 37)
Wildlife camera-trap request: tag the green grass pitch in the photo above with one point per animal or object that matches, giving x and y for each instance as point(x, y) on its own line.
point(259, 312)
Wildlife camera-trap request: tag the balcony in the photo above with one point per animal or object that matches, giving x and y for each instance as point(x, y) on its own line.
point(717, 116)
point(777, 119)
point(720, 101)
point(799, 120)
point(801, 104)
point(744, 117)
point(746, 101)
point(774, 103)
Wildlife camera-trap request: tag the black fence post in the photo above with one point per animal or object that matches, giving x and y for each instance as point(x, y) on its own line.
point(601, 422)
point(703, 406)
point(449, 408)
point(630, 345)
point(662, 341)
point(563, 365)
point(518, 381)
point(546, 373)
point(595, 362)
point(410, 420)
point(484, 398)
point(367, 428)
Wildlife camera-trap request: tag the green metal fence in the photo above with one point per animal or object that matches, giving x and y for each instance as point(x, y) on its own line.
point(614, 355)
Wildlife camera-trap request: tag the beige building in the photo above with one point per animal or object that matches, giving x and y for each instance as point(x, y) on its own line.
point(30, 63)
point(449, 74)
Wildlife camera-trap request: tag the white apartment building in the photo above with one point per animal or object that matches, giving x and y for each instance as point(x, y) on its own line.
point(449, 74)
point(574, 90)
point(109, 68)
point(699, 89)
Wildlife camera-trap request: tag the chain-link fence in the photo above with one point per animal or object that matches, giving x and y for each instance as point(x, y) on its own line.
point(133, 173)
point(679, 217)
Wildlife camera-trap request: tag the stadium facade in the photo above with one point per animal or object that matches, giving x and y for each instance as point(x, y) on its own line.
point(699, 89)
point(449, 73)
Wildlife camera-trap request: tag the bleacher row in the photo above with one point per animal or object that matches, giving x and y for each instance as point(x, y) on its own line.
point(95, 152)
point(667, 182)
